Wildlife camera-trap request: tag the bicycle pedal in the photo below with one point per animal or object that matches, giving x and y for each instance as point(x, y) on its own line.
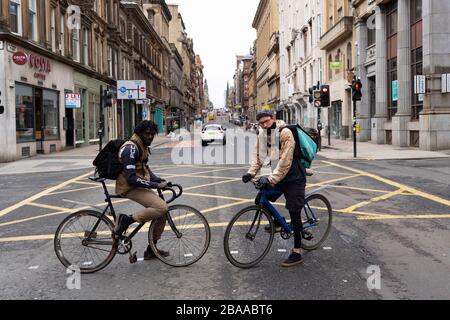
point(307, 236)
point(133, 258)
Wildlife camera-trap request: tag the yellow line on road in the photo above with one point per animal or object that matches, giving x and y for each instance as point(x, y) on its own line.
point(204, 177)
point(209, 184)
point(73, 190)
point(56, 213)
point(395, 184)
point(376, 199)
point(406, 216)
point(46, 206)
point(333, 180)
point(88, 183)
point(41, 194)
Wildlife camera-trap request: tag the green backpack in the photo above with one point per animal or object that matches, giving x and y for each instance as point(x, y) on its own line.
point(307, 145)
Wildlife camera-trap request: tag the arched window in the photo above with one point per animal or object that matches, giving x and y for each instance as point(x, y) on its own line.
point(349, 56)
point(330, 71)
point(338, 59)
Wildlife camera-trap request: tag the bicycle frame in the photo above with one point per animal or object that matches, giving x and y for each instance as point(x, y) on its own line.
point(139, 227)
point(265, 203)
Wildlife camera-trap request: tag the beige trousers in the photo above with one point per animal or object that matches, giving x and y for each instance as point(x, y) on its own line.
point(155, 208)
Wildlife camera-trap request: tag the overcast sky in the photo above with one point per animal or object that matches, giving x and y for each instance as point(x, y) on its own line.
point(221, 30)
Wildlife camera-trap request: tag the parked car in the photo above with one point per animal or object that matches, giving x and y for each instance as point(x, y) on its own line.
point(213, 132)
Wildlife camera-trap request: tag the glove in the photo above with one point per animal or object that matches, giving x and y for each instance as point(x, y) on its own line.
point(246, 178)
point(162, 185)
point(264, 181)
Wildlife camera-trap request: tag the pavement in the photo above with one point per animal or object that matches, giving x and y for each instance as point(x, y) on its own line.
point(68, 160)
point(343, 150)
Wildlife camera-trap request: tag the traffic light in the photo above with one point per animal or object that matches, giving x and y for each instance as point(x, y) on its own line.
point(108, 99)
point(311, 94)
point(356, 90)
point(317, 99)
point(325, 95)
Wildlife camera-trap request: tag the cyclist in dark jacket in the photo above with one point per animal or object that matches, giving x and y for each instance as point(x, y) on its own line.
point(137, 181)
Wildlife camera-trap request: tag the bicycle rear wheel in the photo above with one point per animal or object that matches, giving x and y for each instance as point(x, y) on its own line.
point(191, 242)
point(85, 240)
point(246, 243)
point(316, 219)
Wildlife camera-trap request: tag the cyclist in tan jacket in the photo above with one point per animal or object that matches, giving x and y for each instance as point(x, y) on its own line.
point(288, 175)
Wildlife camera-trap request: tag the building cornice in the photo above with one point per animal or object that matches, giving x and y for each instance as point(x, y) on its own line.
point(257, 19)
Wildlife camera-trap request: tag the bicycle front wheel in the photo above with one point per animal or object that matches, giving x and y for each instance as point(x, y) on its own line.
point(246, 243)
point(186, 240)
point(316, 219)
point(85, 240)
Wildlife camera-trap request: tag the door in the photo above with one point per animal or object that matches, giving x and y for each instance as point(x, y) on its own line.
point(39, 120)
point(336, 118)
point(70, 128)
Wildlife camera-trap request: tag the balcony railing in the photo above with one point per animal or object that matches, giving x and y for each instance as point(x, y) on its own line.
point(341, 30)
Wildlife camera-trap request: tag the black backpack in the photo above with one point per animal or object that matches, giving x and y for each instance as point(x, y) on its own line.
point(107, 161)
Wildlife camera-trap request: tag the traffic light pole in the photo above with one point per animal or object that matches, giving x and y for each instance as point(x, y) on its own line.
point(319, 128)
point(354, 129)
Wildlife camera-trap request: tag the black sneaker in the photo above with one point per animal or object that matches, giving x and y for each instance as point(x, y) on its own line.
point(150, 255)
point(122, 225)
point(293, 260)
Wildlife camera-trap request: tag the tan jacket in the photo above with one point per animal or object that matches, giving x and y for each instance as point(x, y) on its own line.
point(122, 186)
point(284, 155)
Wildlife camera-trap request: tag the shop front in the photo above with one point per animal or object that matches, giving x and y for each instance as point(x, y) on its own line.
point(33, 88)
point(90, 119)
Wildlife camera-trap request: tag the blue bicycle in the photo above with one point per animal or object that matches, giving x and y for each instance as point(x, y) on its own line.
point(247, 242)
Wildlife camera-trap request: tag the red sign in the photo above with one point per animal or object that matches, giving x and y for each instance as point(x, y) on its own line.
point(142, 89)
point(41, 64)
point(19, 58)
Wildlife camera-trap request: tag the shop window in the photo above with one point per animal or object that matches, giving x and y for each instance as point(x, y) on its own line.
point(51, 115)
point(24, 113)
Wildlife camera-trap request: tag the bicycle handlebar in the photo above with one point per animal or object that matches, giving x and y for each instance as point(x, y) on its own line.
point(170, 187)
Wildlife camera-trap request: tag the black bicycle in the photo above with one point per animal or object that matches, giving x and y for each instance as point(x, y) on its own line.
point(86, 238)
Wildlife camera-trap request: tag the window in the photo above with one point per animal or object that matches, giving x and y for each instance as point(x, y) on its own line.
point(319, 26)
point(371, 36)
point(15, 16)
point(151, 17)
point(75, 34)
point(110, 62)
point(85, 46)
point(51, 115)
point(416, 55)
point(416, 11)
point(32, 20)
point(53, 29)
point(24, 113)
point(349, 57)
point(392, 87)
point(337, 58)
point(416, 69)
point(94, 112)
point(62, 35)
point(330, 71)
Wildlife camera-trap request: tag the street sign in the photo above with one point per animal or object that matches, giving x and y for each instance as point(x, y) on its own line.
point(419, 84)
point(131, 89)
point(317, 104)
point(395, 90)
point(73, 100)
